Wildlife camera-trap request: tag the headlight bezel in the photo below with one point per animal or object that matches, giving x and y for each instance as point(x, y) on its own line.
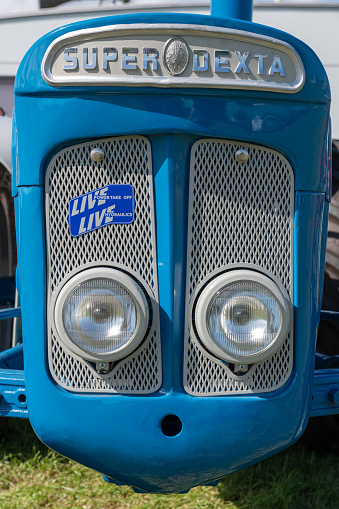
point(132, 287)
point(215, 286)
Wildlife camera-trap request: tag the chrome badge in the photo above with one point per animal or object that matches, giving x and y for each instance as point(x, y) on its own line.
point(176, 56)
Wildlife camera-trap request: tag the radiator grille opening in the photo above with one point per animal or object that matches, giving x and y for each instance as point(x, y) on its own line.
point(238, 214)
point(72, 173)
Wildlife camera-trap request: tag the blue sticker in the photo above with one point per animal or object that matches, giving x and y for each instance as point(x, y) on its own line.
point(112, 204)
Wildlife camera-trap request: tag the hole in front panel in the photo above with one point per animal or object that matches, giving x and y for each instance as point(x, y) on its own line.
point(171, 425)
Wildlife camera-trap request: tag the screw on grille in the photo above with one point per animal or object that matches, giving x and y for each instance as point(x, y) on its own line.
point(102, 367)
point(240, 368)
point(241, 156)
point(97, 155)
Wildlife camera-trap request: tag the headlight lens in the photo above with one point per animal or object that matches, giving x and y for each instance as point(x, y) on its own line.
point(242, 316)
point(101, 314)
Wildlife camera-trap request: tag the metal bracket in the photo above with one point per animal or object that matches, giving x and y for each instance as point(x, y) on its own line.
point(12, 390)
point(10, 313)
point(329, 315)
point(325, 361)
point(325, 399)
point(12, 383)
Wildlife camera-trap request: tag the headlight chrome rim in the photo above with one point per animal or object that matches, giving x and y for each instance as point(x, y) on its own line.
point(131, 287)
point(217, 285)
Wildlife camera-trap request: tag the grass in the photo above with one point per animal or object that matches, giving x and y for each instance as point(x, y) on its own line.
point(32, 476)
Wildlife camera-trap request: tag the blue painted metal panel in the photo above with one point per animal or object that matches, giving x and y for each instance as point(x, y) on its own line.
point(171, 160)
point(238, 9)
point(12, 358)
point(118, 435)
point(199, 116)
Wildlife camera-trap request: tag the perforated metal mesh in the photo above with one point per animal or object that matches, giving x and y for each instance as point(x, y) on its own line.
point(136, 375)
point(239, 214)
point(72, 173)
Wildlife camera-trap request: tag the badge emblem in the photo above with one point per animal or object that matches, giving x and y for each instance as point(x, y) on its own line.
point(112, 204)
point(176, 56)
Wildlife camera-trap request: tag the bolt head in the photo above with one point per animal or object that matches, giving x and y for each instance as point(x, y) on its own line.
point(241, 156)
point(97, 155)
point(240, 368)
point(102, 367)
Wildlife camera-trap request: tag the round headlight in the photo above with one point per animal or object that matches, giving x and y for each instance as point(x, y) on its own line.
point(242, 316)
point(101, 314)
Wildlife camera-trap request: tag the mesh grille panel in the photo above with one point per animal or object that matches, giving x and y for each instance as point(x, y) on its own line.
point(240, 214)
point(72, 173)
point(135, 376)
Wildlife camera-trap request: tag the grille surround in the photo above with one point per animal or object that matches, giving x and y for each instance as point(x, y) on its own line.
point(217, 206)
point(131, 248)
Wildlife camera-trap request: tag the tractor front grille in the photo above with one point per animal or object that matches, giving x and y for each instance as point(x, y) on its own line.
point(131, 247)
point(239, 214)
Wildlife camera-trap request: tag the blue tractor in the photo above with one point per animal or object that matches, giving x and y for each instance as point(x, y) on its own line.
point(172, 180)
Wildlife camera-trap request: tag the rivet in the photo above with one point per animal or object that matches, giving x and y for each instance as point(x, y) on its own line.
point(241, 156)
point(97, 155)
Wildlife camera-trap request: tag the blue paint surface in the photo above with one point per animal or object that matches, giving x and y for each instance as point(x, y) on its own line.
point(109, 205)
point(238, 9)
point(118, 435)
